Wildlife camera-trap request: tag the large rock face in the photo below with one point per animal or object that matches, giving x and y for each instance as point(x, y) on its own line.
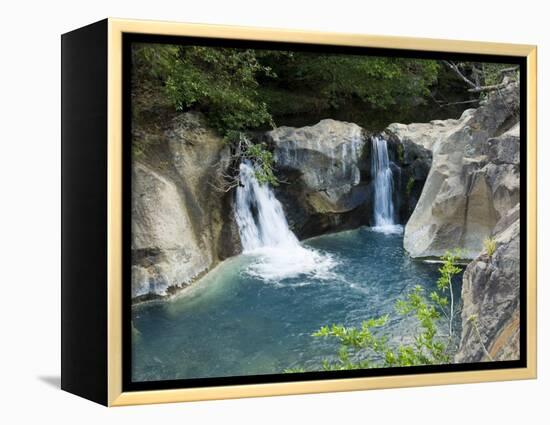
point(327, 173)
point(474, 178)
point(181, 225)
point(490, 295)
point(325, 176)
point(165, 251)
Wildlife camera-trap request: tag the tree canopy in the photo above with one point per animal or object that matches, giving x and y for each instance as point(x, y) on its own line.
point(242, 89)
point(248, 89)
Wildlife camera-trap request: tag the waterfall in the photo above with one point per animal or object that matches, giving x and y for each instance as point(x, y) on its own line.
point(383, 187)
point(265, 234)
point(259, 214)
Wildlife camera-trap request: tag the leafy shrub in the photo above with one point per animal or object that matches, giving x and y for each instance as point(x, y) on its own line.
point(222, 83)
point(264, 163)
point(366, 347)
point(447, 271)
point(361, 347)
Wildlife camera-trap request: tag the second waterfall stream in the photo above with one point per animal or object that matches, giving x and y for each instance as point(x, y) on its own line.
point(266, 237)
point(382, 176)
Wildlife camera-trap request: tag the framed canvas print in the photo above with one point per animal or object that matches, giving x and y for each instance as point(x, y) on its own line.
point(252, 212)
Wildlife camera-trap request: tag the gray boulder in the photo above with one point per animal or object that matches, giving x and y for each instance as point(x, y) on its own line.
point(325, 176)
point(474, 178)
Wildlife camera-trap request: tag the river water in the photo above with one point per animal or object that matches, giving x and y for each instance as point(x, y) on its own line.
point(234, 322)
point(254, 314)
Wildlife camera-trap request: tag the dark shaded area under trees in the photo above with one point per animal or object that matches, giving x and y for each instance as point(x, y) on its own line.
point(246, 89)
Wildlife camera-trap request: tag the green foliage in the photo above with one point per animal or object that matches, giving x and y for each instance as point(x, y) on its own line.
point(428, 348)
point(492, 73)
point(367, 347)
point(152, 64)
point(242, 89)
point(153, 61)
point(447, 272)
point(263, 163)
point(221, 82)
point(335, 78)
point(486, 74)
point(409, 187)
point(353, 340)
point(490, 245)
point(282, 101)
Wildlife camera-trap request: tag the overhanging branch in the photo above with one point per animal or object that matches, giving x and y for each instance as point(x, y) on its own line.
point(455, 69)
point(476, 88)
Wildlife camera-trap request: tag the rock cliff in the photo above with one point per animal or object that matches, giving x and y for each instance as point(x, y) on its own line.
point(412, 160)
point(491, 297)
point(472, 194)
point(473, 180)
point(181, 225)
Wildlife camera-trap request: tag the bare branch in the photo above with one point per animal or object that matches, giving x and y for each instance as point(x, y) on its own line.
point(488, 88)
point(444, 103)
point(455, 69)
point(473, 321)
point(226, 187)
point(460, 103)
point(477, 88)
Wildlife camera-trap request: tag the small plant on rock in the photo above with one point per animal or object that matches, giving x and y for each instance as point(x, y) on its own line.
point(490, 245)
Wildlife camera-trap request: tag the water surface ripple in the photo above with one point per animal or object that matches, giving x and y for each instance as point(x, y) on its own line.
point(235, 321)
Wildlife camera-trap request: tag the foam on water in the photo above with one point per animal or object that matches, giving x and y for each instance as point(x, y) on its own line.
point(389, 229)
point(265, 235)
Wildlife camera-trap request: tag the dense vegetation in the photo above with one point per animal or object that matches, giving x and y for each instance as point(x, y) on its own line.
point(243, 89)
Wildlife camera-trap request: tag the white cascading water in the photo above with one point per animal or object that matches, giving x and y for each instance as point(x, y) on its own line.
point(265, 234)
point(259, 214)
point(383, 188)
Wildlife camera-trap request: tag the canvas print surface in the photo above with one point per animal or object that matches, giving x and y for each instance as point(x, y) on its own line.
point(307, 211)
